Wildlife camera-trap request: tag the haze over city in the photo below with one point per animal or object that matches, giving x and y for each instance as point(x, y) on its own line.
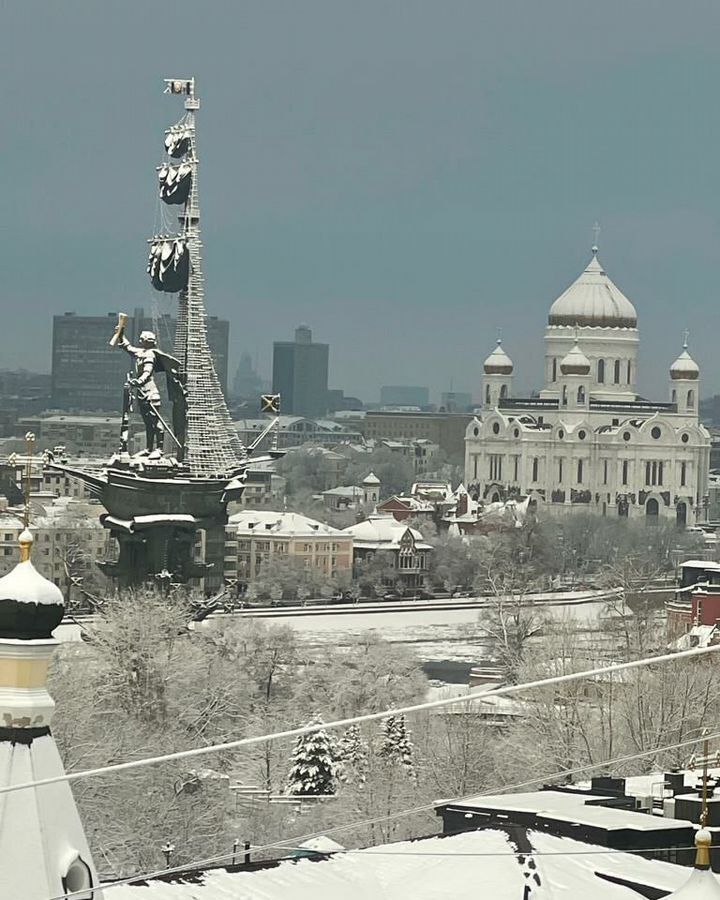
point(406, 178)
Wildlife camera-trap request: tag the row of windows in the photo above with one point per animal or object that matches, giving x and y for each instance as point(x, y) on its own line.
point(619, 368)
point(654, 470)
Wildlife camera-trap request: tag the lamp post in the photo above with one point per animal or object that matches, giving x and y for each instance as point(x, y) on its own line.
point(168, 849)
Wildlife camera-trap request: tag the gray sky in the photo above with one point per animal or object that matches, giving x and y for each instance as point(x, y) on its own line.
point(406, 177)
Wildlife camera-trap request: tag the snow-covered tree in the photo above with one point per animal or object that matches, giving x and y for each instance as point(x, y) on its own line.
point(352, 756)
point(314, 762)
point(395, 744)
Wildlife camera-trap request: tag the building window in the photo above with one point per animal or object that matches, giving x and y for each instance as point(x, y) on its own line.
point(673, 398)
point(691, 399)
point(564, 395)
point(516, 463)
point(495, 466)
point(625, 467)
point(629, 372)
point(653, 473)
point(560, 471)
point(579, 471)
point(554, 369)
point(503, 391)
point(683, 474)
point(605, 471)
point(535, 468)
point(475, 465)
point(581, 394)
point(601, 371)
point(487, 394)
point(617, 372)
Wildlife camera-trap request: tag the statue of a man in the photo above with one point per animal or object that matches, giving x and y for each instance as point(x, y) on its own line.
point(143, 385)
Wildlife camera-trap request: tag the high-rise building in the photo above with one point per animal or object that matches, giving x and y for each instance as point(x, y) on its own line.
point(87, 374)
point(404, 395)
point(300, 374)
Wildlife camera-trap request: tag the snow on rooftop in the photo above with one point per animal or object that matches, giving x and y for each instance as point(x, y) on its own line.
point(279, 524)
point(459, 867)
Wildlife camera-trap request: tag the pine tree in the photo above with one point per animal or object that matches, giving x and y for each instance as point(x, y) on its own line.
point(313, 763)
point(395, 744)
point(352, 756)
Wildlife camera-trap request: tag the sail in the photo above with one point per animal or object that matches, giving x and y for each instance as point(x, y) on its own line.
point(175, 183)
point(177, 141)
point(169, 264)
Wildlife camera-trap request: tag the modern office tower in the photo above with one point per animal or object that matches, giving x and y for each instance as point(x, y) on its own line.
point(300, 374)
point(87, 374)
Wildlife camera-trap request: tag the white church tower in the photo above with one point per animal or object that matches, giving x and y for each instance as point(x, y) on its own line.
point(43, 850)
point(497, 377)
point(685, 383)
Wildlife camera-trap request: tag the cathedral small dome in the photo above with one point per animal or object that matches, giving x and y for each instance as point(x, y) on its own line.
point(684, 367)
point(593, 300)
point(31, 607)
point(498, 363)
point(575, 362)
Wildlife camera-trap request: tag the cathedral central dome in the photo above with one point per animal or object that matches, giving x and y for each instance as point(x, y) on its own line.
point(593, 300)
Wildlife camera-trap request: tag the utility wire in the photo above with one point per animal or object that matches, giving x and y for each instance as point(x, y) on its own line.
point(291, 843)
point(368, 717)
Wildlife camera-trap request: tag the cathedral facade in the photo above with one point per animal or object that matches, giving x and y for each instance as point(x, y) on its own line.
point(588, 442)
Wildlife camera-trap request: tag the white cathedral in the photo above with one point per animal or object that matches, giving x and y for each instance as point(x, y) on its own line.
point(588, 441)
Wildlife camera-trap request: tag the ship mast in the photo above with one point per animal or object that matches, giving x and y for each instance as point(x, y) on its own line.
point(212, 446)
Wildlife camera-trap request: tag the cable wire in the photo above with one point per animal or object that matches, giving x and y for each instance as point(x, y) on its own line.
point(293, 843)
point(368, 717)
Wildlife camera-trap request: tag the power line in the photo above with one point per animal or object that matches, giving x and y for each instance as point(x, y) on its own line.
point(368, 717)
point(291, 843)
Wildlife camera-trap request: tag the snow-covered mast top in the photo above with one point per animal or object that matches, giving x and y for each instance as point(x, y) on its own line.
point(212, 447)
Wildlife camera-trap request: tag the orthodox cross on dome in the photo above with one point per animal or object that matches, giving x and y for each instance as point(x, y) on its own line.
point(596, 233)
point(686, 335)
point(29, 444)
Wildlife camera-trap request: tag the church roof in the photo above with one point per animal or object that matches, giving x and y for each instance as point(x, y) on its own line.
point(593, 300)
point(575, 362)
point(684, 367)
point(498, 363)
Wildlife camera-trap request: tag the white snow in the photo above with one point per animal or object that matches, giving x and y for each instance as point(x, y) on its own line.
point(26, 585)
point(462, 867)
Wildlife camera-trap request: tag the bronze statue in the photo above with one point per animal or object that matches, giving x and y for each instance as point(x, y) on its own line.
point(149, 360)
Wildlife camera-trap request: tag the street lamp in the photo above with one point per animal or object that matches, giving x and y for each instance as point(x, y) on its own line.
point(168, 849)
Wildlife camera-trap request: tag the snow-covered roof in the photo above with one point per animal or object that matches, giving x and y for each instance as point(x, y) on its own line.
point(280, 524)
point(458, 867)
point(383, 532)
point(593, 300)
point(371, 479)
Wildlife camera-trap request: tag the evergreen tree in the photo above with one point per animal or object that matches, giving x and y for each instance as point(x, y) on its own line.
point(352, 756)
point(314, 762)
point(395, 744)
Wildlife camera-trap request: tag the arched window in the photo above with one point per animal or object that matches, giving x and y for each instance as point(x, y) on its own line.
point(581, 394)
point(629, 372)
point(503, 391)
point(579, 471)
point(554, 369)
point(564, 395)
point(487, 394)
point(673, 398)
point(601, 371)
point(536, 468)
point(691, 399)
point(683, 474)
point(625, 467)
point(617, 372)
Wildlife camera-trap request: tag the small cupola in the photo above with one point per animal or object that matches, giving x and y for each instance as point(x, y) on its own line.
point(498, 363)
point(684, 368)
point(575, 362)
point(31, 607)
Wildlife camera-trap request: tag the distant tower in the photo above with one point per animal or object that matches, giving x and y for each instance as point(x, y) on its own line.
point(43, 850)
point(685, 382)
point(497, 377)
point(371, 489)
point(300, 374)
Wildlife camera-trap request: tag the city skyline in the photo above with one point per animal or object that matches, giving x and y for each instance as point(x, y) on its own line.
point(406, 190)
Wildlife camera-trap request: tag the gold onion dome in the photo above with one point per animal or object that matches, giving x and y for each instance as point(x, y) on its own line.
point(498, 363)
point(684, 367)
point(593, 300)
point(575, 362)
point(31, 607)
point(702, 884)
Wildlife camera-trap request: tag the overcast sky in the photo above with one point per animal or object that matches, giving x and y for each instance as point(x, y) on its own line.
point(405, 177)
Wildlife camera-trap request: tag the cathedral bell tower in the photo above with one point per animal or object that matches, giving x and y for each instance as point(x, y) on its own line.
point(43, 850)
point(497, 378)
point(685, 383)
